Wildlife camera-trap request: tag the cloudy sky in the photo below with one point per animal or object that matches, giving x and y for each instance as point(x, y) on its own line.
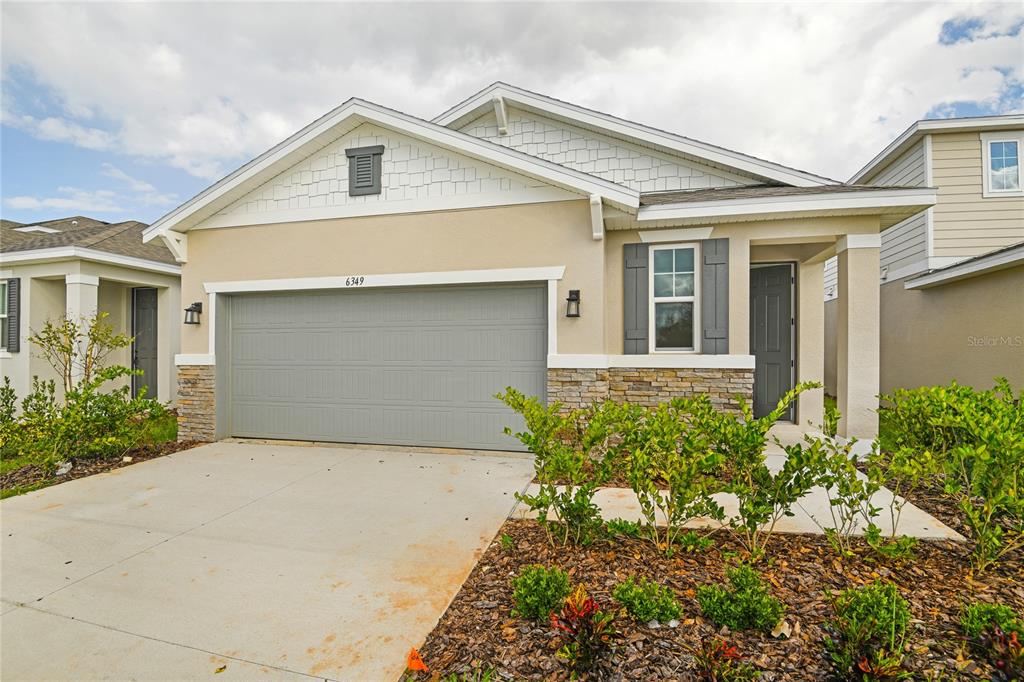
point(124, 111)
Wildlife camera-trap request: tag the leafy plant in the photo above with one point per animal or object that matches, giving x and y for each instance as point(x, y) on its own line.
point(538, 591)
point(571, 461)
point(78, 348)
point(979, 616)
point(624, 527)
point(995, 632)
point(867, 632)
point(671, 444)
point(507, 542)
point(764, 498)
point(646, 600)
point(718, 661)
point(591, 633)
point(905, 471)
point(744, 605)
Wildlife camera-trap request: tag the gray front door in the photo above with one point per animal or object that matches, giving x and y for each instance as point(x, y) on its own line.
point(771, 335)
point(144, 344)
point(416, 366)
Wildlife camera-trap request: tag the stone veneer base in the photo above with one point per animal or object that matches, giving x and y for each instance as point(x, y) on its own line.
point(197, 406)
point(580, 387)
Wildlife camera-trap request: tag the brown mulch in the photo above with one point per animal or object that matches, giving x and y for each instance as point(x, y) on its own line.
point(477, 631)
point(82, 467)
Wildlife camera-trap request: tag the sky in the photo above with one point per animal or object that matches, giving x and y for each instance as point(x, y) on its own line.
point(124, 111)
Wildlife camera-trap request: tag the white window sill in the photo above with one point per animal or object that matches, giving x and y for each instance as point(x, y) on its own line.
point(4, 355)
point(661, 360)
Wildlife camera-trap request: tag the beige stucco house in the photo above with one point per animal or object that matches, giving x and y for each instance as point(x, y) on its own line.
point(952, 277)
point(377, 277)
point(75, 267)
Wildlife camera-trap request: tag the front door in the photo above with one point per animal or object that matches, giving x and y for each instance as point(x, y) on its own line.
point(144, 345)
point(771, 335)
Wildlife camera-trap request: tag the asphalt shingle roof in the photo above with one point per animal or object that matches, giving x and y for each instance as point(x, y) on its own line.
point(123, 239)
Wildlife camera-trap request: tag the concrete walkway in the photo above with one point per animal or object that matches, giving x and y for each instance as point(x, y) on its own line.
point(278, 562)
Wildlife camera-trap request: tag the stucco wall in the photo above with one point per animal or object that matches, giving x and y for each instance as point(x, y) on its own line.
point(970, 331)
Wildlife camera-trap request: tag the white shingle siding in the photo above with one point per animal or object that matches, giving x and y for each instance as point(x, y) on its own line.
point(410, 169)
point(627, 164)
point(831, 279)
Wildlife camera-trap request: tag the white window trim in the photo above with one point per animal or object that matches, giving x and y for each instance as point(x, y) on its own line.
point(695, 299)
point(987, 139)
point(3, 313)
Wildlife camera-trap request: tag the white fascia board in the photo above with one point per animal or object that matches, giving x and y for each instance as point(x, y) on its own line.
point(407, 279)
point(972, 268)
point(251, 175)
point(194, 359)
point(654, 361)
point(630, 130)
point(839, 201)
point(80, 253)
point(947, 125)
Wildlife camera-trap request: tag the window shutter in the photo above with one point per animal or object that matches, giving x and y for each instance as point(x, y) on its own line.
point(364, 170)
point(714, 299)
point(635, 299)
point(13, 340)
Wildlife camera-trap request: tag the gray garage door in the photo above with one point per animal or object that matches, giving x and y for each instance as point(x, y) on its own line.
point(401, 366)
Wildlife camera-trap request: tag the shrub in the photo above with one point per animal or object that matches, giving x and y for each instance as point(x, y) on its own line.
point(538, 591)
point(868, 631)
point(745, 605)
point(591, 634)
point(718, 661)
point(571, 461)
point(646, 600)
point(995, 632)
point(904, 471)
point(624, 527)
point(671, 443)
point(979, 616)
point(78, 349)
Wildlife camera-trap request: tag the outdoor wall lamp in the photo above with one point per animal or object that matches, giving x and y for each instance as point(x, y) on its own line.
point(572, 304)
point(193, 312)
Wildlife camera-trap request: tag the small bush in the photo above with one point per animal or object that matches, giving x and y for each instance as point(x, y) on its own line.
point(718, 661)
point(647, 601)
point(995, 632)
point(591, 634)
point(630, 529)
point(745, 605)
point(868, 631)
point(979, 616)
point(538, 591)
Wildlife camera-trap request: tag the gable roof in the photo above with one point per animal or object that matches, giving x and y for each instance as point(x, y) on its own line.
point(121, 239)
point(481, 102)
point(919, 129)
point(354, 113)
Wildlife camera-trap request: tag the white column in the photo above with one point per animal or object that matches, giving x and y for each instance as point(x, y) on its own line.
point(739, 296)
point(810, 326)
point(857, 335)
point(81, 304)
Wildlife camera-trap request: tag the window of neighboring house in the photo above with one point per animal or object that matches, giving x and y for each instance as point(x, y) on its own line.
point(3, 315)
point(1002, 164)
point(674, 290)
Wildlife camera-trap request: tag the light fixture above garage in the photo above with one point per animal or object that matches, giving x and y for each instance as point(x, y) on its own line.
point(193, 312)
point(572, 304)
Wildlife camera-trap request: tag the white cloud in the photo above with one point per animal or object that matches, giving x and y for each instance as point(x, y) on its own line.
point(112, 171)
point(206, 87)
point(73, 200)
point(145, 194)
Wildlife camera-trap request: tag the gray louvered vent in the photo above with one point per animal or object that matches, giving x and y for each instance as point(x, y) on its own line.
point(364, 170)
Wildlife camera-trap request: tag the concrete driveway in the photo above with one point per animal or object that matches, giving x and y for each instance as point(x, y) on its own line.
point(277, 561)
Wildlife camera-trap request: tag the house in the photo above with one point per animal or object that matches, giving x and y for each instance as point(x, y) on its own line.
point(77, 266)
point(952, 277)
point(377, 277)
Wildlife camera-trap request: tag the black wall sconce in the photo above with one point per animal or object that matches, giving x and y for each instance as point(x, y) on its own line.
point(572, 304)
point(193, 312)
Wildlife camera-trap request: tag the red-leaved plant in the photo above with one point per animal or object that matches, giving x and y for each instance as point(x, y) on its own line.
point(1004, 651)
point(719, 661)
point(589, 631)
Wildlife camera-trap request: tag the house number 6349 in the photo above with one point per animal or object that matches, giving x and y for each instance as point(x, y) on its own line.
point(354, 281)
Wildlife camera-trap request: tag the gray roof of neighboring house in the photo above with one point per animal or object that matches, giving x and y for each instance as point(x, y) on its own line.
point(123, 238)
point(751, 192)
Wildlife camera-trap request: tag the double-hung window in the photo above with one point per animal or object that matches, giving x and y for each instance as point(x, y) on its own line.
point(1002, 164)
point(674, 311)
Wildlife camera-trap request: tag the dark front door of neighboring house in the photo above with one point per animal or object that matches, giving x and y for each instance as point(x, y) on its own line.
point(144, 345)
point(771, 334)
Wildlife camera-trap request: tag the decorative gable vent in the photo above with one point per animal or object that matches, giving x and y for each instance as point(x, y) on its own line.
point(364, 170)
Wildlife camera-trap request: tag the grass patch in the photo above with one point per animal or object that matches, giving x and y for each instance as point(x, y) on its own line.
point(162, 431)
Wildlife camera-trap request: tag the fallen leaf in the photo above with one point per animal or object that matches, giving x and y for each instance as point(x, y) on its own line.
point(221, 669)
point(782, 630)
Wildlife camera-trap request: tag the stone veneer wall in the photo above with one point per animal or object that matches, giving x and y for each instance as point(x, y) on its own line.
point(649, 386)
point(197, 407)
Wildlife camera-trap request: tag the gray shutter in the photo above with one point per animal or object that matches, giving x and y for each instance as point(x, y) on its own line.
point(13, 315)
point(364, 170)
point(714, 299)
point(635, 300)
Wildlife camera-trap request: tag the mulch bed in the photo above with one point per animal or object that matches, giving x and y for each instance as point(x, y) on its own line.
point(32, 475)
point(477, 631)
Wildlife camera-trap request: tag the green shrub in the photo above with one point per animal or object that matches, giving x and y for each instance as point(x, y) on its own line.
point(745, 605)
point(624, 527)
point(868, 631)
point(646, 600)
point(979, 617)
point(538, 591)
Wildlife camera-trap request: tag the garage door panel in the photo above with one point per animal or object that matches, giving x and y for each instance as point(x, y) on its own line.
point(412, 366)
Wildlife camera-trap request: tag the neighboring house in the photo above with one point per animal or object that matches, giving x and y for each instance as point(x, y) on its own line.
point(76, 267)
point(378, 277)
point(952, 277)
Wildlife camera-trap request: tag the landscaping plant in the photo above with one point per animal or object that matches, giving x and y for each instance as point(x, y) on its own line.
point(624, 527)
point(647, 601)
point(571, 461)
point(905, 471)
point(979, 616)
point(538, 591)
point(671, 444)
point(78, 349)
point(591, 633)
point(744, 605)
point(867, 633)
point(994, 632)
point(718, 661)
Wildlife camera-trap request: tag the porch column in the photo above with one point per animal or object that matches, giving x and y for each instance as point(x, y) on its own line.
point(810, 326)
point(739, 296)
point(857, 335)
point(82, 293)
